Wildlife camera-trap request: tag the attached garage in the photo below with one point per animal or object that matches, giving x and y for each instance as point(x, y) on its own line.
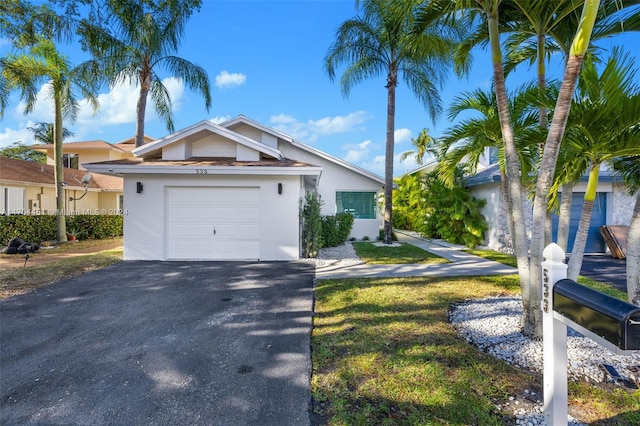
point(213, 223)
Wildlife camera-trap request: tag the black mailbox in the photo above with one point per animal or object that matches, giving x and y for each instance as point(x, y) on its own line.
point(612, 319)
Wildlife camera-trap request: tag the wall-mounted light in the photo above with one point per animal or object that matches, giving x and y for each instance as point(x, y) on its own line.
point(139, 187)
point(279, 188)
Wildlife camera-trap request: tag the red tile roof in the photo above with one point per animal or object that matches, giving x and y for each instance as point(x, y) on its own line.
point(28, 172)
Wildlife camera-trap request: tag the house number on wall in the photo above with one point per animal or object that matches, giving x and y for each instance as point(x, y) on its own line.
point(201, 171)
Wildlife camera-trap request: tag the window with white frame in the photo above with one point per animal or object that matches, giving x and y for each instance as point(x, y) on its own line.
point(70, 161)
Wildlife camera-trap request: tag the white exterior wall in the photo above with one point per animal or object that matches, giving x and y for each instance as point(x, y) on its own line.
point(336, 178)
point(497, 234)
point(145, 220)
point(623, 205)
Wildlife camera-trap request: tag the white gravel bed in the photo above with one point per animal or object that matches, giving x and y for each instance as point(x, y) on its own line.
point(493, 325)
point(343, 255)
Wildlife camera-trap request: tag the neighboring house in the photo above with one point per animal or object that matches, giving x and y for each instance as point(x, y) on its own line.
point(28, 188)
point(612, 207)
point(75, 154)
point(232, 191)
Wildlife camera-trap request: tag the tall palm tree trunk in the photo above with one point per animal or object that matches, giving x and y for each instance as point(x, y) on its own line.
point(564, 218)
point(580, 242)
point(141, 108)
point(61, 226)
point(508, 205)
point(521, 247)
point(392, 80)
point(633, 255)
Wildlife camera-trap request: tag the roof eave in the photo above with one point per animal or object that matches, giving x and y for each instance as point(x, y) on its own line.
point(122, 169)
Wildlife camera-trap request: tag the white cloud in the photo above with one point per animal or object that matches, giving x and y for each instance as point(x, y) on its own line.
point(220, 119)
point(226, 80)
point(43, 108)
point(310, 130)
point(399, 168)
point(357, 152)
point(24, 135)
point(402, 135)
point(117, 106)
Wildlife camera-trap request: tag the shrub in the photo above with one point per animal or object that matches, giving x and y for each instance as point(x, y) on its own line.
point(39, 228)
point(425, 204)
point(311, 223)
point(336, 229)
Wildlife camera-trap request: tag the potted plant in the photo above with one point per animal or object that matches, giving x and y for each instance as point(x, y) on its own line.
point(72, 234)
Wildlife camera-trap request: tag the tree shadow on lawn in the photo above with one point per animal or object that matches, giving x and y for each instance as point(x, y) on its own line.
point(384, 352)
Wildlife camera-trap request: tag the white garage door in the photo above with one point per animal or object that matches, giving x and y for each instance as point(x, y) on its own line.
point(213, 223)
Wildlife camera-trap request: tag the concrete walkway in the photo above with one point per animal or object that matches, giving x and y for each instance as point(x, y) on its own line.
point(462, 264)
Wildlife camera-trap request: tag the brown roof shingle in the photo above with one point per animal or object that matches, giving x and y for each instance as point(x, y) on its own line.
point(96, 144)
point(19, 171)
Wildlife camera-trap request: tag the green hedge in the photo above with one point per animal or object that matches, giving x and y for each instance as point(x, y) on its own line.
point(43, 227)
point(336, 229)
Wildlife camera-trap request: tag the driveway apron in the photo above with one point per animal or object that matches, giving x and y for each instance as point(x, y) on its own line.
point(159, 343)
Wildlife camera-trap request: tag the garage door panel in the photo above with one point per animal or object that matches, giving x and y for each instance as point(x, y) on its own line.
point(238, 250)
point(194, 213)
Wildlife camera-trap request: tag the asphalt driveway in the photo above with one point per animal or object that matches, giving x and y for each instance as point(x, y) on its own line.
point(160, 343)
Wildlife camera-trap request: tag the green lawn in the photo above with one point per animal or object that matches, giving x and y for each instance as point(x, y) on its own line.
point(384, 353)
point(405, 253)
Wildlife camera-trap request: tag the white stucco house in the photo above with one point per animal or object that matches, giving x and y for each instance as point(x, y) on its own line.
point(232, 191)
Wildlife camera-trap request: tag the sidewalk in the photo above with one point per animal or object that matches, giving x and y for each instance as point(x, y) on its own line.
point(462, 264)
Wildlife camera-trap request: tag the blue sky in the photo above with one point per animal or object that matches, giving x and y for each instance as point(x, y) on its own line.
point(265, 61)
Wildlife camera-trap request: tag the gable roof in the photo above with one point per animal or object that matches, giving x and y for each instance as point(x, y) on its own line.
point(241, 119)
point(154, 148)
point(129, 144)
point(28, 172)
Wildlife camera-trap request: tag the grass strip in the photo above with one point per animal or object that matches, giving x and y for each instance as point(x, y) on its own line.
point(384, 353)
point(402, 254)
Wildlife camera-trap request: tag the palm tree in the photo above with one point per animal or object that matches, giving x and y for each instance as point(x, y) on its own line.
point(468, 140)
point(529, 269)
point(425, 145)
point(42, 62)
point(603, 126)
point(44, 132)
point(385, 41)
point(145, 36)
point(548, 28)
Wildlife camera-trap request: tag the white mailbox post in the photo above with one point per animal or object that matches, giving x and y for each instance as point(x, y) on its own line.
point(610, 322)
point(554, 334)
